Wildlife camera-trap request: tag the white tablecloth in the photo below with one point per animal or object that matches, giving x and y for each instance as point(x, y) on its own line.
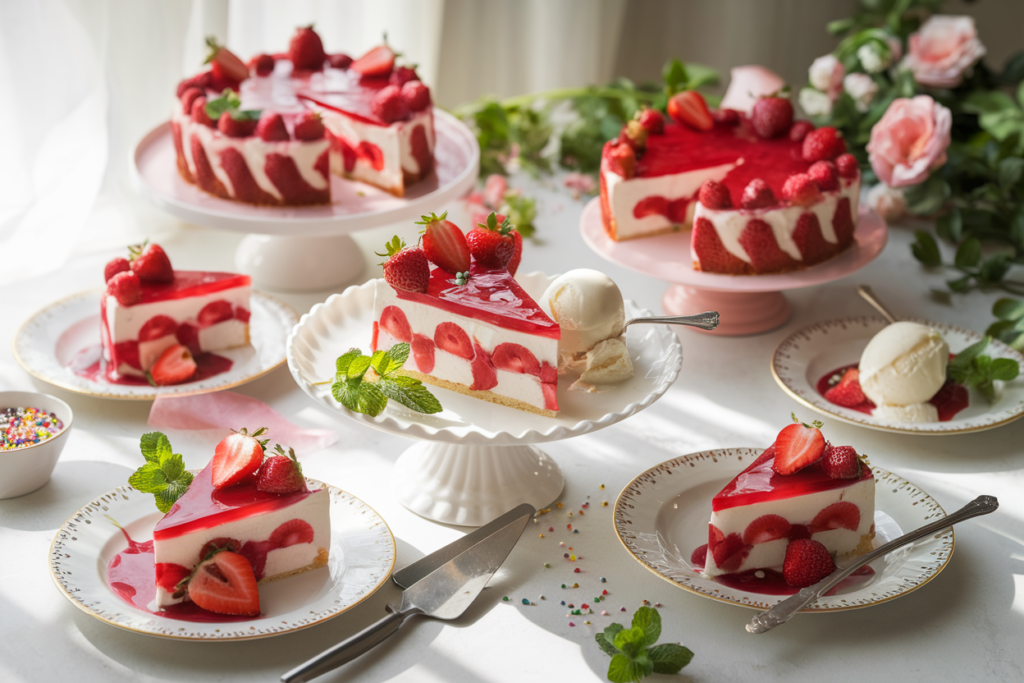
point(966, 624)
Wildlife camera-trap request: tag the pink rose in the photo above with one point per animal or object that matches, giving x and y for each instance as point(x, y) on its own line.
point(746, 84)
point(943, 49)
point(909, 141)
point(494, 190)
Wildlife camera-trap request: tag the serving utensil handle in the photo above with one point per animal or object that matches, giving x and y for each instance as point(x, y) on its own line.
point(707, 320)
point(869, 295)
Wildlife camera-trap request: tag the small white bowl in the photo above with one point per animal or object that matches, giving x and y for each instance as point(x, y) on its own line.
point(23, 470)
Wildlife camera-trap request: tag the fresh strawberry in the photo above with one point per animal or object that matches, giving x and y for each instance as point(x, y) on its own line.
point(771, 116)
point(241, 127)
point(402, 75)
point(633, 134)
point(281, 473)
point(800, 190)
point(201, 81)
point(847, 165)
point(151, 264)
point(114, 266)
point(416, 95)
point(689, 108)
point(292, 532)
point(823, 144)
point(491, 243)
point(797, 446)
point(125, 287)
point(306, 50)
point(309, 126)
point(515, 358)
point(807, 562)
point(388, 104)
point(271, 127)
point(841, 515)
point(652, 121)
point(174, 366)
point(848, 392)
point(728, 117)
point(622, 160)
point(841, 462)
point(710, 254)
point(405, 268)
point(225, 584)
point(169, 575)
point(766, 528)
point(237, 456)
point(800, 130)
point(517, 254)
point(699, 557)
point(757, 195)
point(453, 339)
point(339, 61)
point(198, 112)
point(809, 240)
point(263, 65)
point(758, 239)
point(377, 62)
point(218, 544)
point(714, 195)
point(444, 243)
point(188, 97)
point(225, 64)
point(394, 322)
point(825, 175)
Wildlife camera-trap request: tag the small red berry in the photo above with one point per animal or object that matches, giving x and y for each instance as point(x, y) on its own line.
point(757, 195)
point(388, 104)
point(807, 562)
point(801, 190)
point(263, 65)
point(825, 175)
point(800, 130)
point(823, 144)
point(416, 95)
point(652, 121)
point(714, 195)
point(847, 165)
point(309, 126)
point(771, 116)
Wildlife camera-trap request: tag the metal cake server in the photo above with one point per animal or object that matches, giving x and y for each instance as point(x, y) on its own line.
point(442, 592)
point(707, 320)
point(783, 611)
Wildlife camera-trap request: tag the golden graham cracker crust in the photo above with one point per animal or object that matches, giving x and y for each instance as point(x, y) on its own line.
point(319, 561)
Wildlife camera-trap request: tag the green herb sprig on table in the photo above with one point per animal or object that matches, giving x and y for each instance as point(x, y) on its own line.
point(633, 650)
point(352, 388)
point(972, 368)
point(164, 473)
point(1009, 328)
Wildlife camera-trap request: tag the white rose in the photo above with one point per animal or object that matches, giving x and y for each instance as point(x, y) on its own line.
point(826, 74)
point(814, 102)
point(888, 202)
point(861, 88)
point(873, 57)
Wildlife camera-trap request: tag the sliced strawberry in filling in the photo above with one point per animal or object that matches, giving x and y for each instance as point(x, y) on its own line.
point(215, 312)
point(291, 533)
point(730, 552)
point(169, 575)
point(423, 353)
point(515, 358)
point(127, 353)
point(484, 375)
point(394, 322)
point(205, 176)
point(323, 164)
point(242, 181)
point(810, 241)
point(188, 335)
point(285, 175)
point(371, 154)
point(348, 154)
point(242, 314)
point(157, 327)
point(453, 339)
point(651, 206)
point(420, 150)
point(841, 515)
point(842, 223)
point(766, 528)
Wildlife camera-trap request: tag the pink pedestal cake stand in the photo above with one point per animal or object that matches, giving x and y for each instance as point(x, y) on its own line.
point(307, 248)
point(748, 304)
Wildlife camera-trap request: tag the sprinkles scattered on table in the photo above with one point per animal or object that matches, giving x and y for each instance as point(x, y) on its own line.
point(20, 427)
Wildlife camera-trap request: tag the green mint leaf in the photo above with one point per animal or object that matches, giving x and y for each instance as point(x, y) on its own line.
point(1008, 309)
point(346, 392)
point(969, 253)
point(649, 621)
point(341, 365)
point(612, 631)
point(1010, 171)
point(994, 268)
point(988, 390)
point(926, 250)
point(396, 356)
point(168, 480)
point(623, 669)
point(966, 357)
point(246, 115)
point(950, 226)
point(358, 367)
point(669, 658)
point(226, 102)
point(631, 641)
point(1004, 369)
point(605, 644)
point(371, 401)
point(410, 393)
point(155, 447)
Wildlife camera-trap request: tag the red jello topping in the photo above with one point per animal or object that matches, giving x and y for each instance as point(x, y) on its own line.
point(191, 283)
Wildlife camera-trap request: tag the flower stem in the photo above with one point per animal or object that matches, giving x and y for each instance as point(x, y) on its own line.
point(561, 94)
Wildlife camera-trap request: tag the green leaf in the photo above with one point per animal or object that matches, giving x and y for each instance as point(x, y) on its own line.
point(226, 102)
point(928, 197)
point(987, 102)
point(623, 669)
point(168, 480)
point(969, 253)
point(961, 284)
point(345, 360)
point(994, 268)
point(669, 658)
point(1010, 171)
point(648, 620)
point(1008, 309)
point(700, 76)
point(1004, 369)
point(967, 356)
point(398, 354)
point(631, 641)
point(358, 367)
point(605, 644)
point(1002, 124)
point(155, 447)
point(613, 630)
point(410, 393)
point(926, 250)
point(674, 75)
point(950, 226)
point(840, 26)
point(1013, 72)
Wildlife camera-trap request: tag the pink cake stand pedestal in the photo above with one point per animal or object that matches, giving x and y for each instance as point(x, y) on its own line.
point(307, 248)
point(748, 304)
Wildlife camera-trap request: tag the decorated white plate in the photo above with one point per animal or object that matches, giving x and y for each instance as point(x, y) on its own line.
point(662, 516)
point(362, 555)
point(346, 320)
point(66, 335)
point(806, 356)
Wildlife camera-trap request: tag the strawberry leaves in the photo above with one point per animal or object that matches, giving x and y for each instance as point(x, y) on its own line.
point(633, 650)
point(164, 473)
point(359, 394)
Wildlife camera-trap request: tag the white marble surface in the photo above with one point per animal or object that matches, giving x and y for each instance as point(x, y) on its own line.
point(966, 625)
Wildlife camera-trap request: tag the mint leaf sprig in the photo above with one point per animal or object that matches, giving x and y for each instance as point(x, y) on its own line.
point(972, 368)
point(164, 473)
point(230, 102)
point(633, 650)
point(1009, 326)
point(354, 390)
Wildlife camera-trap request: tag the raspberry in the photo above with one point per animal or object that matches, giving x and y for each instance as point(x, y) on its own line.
point(757, 195)
point(847, 165)
point(771, 116)
point(825, 175)
point(264, 65)
point(800, 189)
point(714, 195)
point(823, 144)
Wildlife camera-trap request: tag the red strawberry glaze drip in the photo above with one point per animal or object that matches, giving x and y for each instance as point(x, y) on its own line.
point(950, 399)
point(772, 583)
point(759, 483)
point(89, 363)
point(491, 296)
point(190, 283)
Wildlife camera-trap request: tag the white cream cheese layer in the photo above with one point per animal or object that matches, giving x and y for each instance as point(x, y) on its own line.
point(394, 142)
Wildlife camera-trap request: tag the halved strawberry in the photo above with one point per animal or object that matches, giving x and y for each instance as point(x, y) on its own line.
point(444, 243)
point(689, 108)
point(841, 515)
point(807, 562)
point(517, 253)
point(730, 552)
point(453, 339)
point(423, 352)
point(377, 62)
point(515, 358)
point(848, 392)
point(292, 532)
point(394, 322)
point(281, 473)
point(156, 327)
point(225, 63)
point(225, 584)
point(797, 446)
point(766, 528)
point(150, 263)
point(238, 456)
point(174, 366)
point(215, 312)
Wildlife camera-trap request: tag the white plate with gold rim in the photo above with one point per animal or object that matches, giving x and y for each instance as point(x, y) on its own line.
point(661, 517)
point(362, 556)
point(68, 331)
point(809, 354)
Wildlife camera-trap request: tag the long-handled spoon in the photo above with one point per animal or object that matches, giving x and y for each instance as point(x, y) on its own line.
point(868, 295)
point(705, 321)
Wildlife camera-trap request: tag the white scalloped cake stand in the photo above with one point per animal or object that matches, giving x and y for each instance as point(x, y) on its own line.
point(307, 248)
point(477, 460)
point(748, 304)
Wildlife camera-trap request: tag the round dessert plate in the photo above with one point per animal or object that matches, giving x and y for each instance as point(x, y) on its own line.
point(356, 206)
point(806, 356)
point(662, 516)
point(362, 555)
point(747, 303)
point(68, 332)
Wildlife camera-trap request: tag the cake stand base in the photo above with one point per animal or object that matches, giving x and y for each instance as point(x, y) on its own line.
point(741, 312)
point(300, 264)
point(471, 485)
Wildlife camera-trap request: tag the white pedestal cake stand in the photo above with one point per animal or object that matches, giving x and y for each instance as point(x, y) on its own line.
point(307, 248)
point(748, 304)
point(476, 460)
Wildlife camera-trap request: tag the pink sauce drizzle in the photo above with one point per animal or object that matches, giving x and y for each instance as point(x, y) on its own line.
point(950, 399)
point(89, 364)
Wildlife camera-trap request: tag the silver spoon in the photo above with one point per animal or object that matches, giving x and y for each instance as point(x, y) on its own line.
point(705, 321)
point(783, 611)
point(868, 295)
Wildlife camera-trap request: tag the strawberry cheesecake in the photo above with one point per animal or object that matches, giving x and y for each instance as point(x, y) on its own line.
point(149, 307)
point(472, 328)
point(800, 488)
point(764, 194)
point(271, 132)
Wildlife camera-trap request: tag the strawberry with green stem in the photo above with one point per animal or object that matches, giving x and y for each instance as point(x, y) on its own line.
point(444, 243)
point(281, 472)
point(405, 268)
point(492, 244)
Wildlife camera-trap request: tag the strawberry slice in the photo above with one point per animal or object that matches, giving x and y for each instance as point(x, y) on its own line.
point(444, 243)
point(377, 62)
point(292, 532)
point(690, 109)
point(848, 392)
point(797, 446)
point(394, 322)
point(766, 528)
point(215, 312)
point(238, 456)
point(225, 63)
point(515, 358)
point(174, 366)
point(453, 339)
point(225, 584)
point(841, 515)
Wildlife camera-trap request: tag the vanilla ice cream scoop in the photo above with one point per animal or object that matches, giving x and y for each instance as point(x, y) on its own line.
point(587, 305)
point(904, 364)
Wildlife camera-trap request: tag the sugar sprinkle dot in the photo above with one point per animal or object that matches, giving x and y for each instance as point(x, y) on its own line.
point(577, 570)
point(604, 580)
point(526, 601)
